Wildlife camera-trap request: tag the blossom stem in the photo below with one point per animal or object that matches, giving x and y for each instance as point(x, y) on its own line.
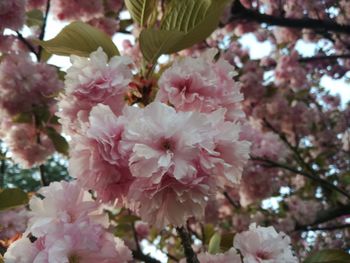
point(191, 257)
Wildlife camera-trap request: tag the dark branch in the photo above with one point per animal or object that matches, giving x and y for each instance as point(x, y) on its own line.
point(325, 216)
point(231, 201)
point(239, 12)
point(191, 257)
point(43, 28)
point(326, 228)
point(26, 43)
point(313, 177)
point(145, 258)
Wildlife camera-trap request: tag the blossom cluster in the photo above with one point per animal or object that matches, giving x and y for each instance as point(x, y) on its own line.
point(66, 225)
point(164, 162)
point(256, 245)
point(26, 90)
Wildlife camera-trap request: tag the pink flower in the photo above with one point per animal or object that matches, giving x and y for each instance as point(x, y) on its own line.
point(264, 245)
point(77, 9)
point(142, 229)
point(13, 222)
point(91, 81)
point(25, 84)
point(108, 25)
point(21, 251)
point(22, 141)
point(63, 203)
point(12, 14)
point(178, 159)
point(95, 158)
point(201, 84)
point(230, 256)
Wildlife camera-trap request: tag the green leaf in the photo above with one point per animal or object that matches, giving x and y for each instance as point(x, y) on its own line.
point(154, 43)
point(79, 39)
point(141, 10)
point(185, 24)
point(59, 142)
point(34, 18)
point(11, 198)
point(329, 256)
point(214, 244)
point(128, 219)
point(208, 232)
point(23, 117)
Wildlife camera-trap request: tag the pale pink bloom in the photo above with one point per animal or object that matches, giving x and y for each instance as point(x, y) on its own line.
point(230, 256)
point(90, 81)
point(82, 242)
point(257, 183)
point(23, 144)
point(284, 35)
point(264, 245)
point(133, 51)
point(264, 144)
point(25, 84)
point(21, 251)
point(346, 140)
point(107, 24)
point(77, 9)
point(178, 159)
point(113, 5)
point(201, 84)
point(142, 229)
point(63, 203)
point(95, 158)
point(290, 73)
point(13, 222)
point(303, 211)
point(78, 242)
point(35, 4)
point(12, 14)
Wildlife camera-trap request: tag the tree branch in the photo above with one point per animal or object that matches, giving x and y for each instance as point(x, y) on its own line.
point(145, 258)
point(27, 44)
point(326, 228)
point(43, 28)
point(191, 257)
point(321, 181)
point(239, 12)
point(325, 216)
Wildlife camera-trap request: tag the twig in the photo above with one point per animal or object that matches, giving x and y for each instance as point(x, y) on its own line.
point(27, 44)
point(231, 201)
point(191, 257)
point(43, 28)
point(145, 258)
point(304, 173)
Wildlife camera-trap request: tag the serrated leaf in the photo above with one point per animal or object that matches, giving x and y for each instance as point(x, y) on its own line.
point(329, 256)
point(59, 142)
point(214, 244)
point(185, 24)
point(11, 198)
point(79, 39)
point(140, 10)
point(34, 17)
